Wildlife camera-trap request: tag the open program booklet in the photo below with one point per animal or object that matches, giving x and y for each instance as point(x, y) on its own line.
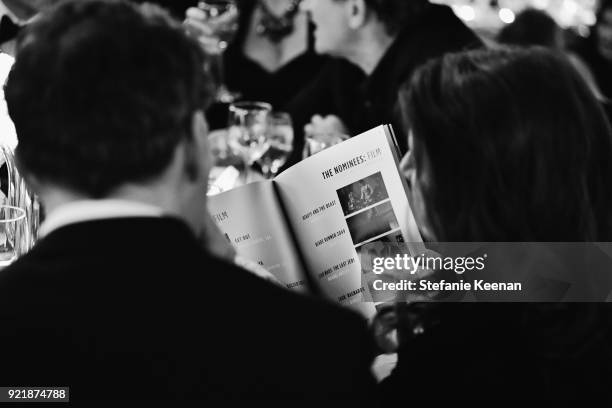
point(308, 224)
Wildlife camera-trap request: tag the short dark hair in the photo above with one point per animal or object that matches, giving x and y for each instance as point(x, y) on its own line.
point(532, 27)
point(516, 147)
point(397, 14)
point(102, 92)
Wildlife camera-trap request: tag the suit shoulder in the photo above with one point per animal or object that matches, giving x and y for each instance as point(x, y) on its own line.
point(249, 288)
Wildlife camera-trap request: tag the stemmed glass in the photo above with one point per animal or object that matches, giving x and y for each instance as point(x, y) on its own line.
point(315, 143)
point(248, 124)
point(12, 231)
point(222, 18)
point(280, 144)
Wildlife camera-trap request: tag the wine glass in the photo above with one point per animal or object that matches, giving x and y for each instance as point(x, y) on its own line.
point(248, 123)
point(12, 230)
point(315, 143)
point(228, 165)
point(280, 143)
point(222, 18)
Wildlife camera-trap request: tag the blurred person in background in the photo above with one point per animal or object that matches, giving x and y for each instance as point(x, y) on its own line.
point(596, 50)
point(486, 165)
point(272, 57)
point(141, 303)
point(533, 27)
point(375, 45)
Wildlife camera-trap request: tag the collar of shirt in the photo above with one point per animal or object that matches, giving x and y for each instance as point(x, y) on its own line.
point(90, 210)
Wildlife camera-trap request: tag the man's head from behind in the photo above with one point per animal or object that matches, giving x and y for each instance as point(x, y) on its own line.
point(338, 22)
point(105, 94)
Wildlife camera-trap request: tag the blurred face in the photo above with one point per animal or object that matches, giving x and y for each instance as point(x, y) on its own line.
point(408, 168)
point(331, 19)
point(604, 34)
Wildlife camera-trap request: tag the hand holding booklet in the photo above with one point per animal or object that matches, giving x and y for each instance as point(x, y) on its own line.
point(307, 225)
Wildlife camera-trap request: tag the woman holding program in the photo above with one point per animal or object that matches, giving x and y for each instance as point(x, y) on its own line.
point(505, 146)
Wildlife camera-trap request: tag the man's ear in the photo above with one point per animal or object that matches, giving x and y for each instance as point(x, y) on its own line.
point(198, 159)
point(199, 126)
point(358, 11)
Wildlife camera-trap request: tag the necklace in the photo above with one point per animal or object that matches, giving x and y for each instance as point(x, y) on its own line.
point(277, 27)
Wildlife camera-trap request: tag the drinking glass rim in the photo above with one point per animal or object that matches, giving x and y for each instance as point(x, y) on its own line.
point(241, 107)
point(21, 211)
point(216, 1)
point(280, 115)
point(206, 3)
point(327, 136)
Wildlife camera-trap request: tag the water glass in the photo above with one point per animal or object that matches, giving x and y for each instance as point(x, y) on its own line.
point(221, 16)
point(248, 124)
point(280, 143)
point(13, 229)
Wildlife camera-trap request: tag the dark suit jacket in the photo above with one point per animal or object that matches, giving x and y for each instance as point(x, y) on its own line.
point(134, 311)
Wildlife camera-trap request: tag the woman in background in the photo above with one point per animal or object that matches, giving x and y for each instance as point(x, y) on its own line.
point(505, 146)
point(272, 57)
